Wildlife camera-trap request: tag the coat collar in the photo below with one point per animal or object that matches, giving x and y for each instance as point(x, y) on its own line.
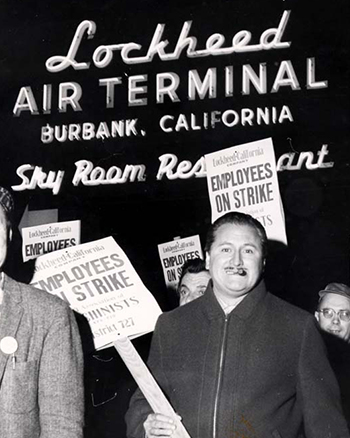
point(10, 317)
point(12, 290)
point(243, 310)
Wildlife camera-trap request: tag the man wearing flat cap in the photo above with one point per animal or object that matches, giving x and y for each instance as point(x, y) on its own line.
point(333, 317)
point(333, 312)
point(41, 381)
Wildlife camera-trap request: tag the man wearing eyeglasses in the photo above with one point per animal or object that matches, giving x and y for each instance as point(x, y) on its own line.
point(333, 313)
point(333, 316)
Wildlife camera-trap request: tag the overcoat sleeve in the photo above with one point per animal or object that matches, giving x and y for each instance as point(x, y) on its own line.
point(318, 389)
point(61, 390)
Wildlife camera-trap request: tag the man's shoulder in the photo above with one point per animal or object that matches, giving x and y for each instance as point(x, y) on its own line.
point(287, 310)
point(186, 312)
point(35, 298)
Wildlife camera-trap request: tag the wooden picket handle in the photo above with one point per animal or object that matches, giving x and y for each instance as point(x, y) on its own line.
point(147, 384)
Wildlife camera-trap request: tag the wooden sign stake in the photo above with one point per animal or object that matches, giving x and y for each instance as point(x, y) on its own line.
point(147, 384)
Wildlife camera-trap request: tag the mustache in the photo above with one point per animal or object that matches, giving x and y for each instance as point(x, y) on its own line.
point(237, 271)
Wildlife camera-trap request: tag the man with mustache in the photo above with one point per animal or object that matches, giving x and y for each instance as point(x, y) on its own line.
point(239, 362)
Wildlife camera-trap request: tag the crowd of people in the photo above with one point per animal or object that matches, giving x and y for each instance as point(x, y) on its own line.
point(232, 359)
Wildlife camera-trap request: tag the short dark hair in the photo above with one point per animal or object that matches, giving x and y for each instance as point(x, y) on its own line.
point(192, 266)
point(237, 218)
point(8, 218)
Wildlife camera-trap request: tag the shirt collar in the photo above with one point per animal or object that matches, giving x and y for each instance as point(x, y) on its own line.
point(243, 309)
point(227, 308)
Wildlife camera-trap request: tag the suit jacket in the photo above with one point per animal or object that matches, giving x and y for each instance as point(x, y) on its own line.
point(41, 391)
point(260, 372)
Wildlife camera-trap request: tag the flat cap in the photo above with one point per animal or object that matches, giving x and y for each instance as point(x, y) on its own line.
point(336, 288)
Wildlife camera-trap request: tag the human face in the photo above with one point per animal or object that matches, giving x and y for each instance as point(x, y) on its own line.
point(193, 286)
point(4, 236)
point(235, 261)
point(334, 325)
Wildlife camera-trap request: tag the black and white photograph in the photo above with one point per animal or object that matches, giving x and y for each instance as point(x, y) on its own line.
point(175, 219)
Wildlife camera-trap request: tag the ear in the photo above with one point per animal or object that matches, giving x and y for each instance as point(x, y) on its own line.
point(207, 261)
point(317, 316)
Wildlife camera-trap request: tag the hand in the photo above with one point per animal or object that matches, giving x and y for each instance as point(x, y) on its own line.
point(159, 425)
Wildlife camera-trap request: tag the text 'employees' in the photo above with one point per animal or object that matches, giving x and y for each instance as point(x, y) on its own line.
point(80, 279)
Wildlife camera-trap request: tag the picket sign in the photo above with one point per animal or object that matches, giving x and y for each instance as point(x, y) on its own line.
point(147, 384)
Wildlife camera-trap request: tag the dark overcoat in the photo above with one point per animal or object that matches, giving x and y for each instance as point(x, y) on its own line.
point(259, 372)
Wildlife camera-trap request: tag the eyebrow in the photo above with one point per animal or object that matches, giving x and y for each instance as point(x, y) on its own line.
point(244, 245)
point(331, 308)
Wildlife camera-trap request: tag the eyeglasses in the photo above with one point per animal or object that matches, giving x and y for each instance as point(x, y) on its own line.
point(344, 315)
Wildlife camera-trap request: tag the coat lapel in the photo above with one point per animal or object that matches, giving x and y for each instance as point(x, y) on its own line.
point(10, 317)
